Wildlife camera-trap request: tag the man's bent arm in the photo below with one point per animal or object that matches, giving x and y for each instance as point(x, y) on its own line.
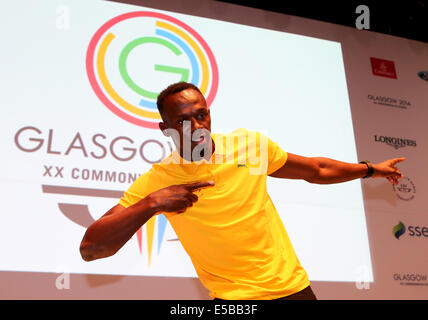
point(326, 171)
point(109, 233)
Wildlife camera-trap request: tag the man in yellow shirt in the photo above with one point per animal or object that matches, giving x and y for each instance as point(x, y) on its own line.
point(213, 191)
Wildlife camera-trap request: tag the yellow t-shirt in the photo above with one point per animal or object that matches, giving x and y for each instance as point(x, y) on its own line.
point(233, 233)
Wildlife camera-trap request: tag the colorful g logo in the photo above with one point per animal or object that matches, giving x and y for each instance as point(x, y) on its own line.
point(120, 68)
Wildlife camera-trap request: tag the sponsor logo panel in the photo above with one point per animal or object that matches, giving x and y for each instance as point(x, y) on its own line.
point(395, 142)
point(423, 75)
point(387, 101)
point(383, 68)
point(405, 190)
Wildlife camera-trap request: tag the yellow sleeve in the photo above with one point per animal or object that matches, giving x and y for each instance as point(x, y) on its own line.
point(276, 157)
point(268, 156)
point(141, 188)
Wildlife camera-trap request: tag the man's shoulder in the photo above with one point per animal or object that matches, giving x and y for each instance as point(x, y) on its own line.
point(251, 136)
point(153, 179)
point(239, 132)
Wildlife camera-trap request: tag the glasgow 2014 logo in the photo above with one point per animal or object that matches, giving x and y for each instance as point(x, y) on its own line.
point(133, 56)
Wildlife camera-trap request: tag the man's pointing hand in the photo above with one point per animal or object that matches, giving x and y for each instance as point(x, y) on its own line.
point(387, 169)
point(177, 198)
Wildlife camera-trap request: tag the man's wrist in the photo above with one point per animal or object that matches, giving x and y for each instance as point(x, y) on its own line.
point(370, 169)
point(151, 205)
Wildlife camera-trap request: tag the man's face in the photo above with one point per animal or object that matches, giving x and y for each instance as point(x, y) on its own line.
point(186, 112)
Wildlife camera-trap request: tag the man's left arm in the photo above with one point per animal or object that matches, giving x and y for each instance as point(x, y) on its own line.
point(326, 171)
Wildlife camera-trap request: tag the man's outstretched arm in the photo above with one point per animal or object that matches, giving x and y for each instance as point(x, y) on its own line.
point(326, 171)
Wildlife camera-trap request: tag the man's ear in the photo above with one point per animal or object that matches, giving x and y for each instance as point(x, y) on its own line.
point(163, 128)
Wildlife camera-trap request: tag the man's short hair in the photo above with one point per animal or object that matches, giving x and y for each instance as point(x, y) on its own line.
point(172, 89)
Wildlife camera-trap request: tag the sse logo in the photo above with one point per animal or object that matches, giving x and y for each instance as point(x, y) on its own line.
point(413, 231)
point(133, 56)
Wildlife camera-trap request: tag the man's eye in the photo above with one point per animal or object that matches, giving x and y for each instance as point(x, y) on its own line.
point(201, 116)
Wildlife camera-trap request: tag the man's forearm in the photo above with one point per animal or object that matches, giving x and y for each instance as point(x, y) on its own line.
point(325, 170)
point(109, 233)
point(334, 171)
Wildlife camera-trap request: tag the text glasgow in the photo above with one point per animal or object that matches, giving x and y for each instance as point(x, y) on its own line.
point(410, 277)
point(122, 148)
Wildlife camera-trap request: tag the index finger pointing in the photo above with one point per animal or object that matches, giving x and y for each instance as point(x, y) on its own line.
point(396, 160)
point(199, 185)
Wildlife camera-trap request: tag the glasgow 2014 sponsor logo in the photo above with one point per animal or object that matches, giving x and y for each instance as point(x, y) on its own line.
point(389, 101)
point(398, 230)
point(411, 279)
point(395, 141)
point(414, 231)
point(423, 75)
point(383, 68)
point(405, 190)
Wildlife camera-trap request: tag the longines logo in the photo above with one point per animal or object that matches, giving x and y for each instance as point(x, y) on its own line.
point(389, 101)
point(405, 190)
point(395, 142)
